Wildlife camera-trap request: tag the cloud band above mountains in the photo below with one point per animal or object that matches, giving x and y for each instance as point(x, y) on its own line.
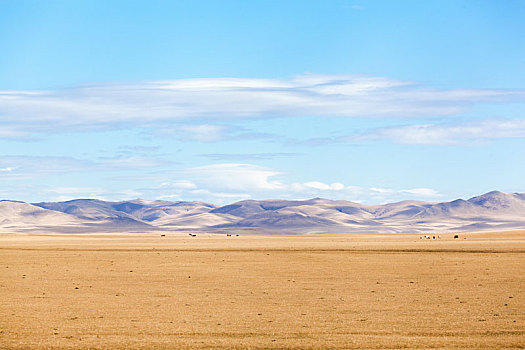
point(159, 102)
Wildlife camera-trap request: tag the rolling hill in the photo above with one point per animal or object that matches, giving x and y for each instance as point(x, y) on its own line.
point(493, 210)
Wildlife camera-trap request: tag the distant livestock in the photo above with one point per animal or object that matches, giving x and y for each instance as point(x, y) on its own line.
point(456, 236)
point(192, 234)
point(429, 237)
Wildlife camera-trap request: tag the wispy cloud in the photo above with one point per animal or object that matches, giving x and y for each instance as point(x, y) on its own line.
point(463, 133)
point(216, 183)
point(380, 194)
point(14, 132)
point(224, 183)
point(248, 156)
point(27, 191)
point(195, 132)
point(422, 192)
point(131, 162)
point(155, 103)
point(31, 167)
point(69, 193)
point(317, 185)
point(134, 150)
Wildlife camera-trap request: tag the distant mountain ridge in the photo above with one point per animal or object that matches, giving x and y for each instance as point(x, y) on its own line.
point(492, 210)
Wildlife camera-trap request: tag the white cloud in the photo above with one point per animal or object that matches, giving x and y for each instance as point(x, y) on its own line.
point(130, 162)
point(69, 193)
point(234, 177)
point(204, 132)
point(336, 186)
point(196, 132)
point(179, 184)
point(248, 156)
point(422, 192)
point(26, 191)
point(225, 183)
point(221, 196)
point(216, 183)
point(31, 167)
point(400, 194)
point(13, 132)
point(448, 134)
point(153, 104)
point(382, 190)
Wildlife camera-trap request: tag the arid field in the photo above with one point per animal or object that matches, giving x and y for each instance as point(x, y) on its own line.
point(211, 291)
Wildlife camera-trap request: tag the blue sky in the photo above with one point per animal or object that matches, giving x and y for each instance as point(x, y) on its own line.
point(371, 101)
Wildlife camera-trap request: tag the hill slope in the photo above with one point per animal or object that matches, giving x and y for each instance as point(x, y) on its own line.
point(493, 210)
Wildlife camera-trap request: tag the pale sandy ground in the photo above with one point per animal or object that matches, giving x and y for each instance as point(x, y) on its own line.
point(318, 291)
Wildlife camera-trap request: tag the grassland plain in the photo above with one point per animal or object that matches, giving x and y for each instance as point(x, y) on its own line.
point(291, 292)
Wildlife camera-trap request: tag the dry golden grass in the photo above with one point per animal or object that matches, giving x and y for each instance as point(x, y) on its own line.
point(329, 291)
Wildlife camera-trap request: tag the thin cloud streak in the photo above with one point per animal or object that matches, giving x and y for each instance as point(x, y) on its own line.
point(31, 167)
point(248, 156)
point(456, 134)
point(152, 104)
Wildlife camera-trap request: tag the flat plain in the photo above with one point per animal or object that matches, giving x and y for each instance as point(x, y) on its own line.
point(371, 291)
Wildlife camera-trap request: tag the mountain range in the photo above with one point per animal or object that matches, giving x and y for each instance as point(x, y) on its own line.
point(491, 211)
